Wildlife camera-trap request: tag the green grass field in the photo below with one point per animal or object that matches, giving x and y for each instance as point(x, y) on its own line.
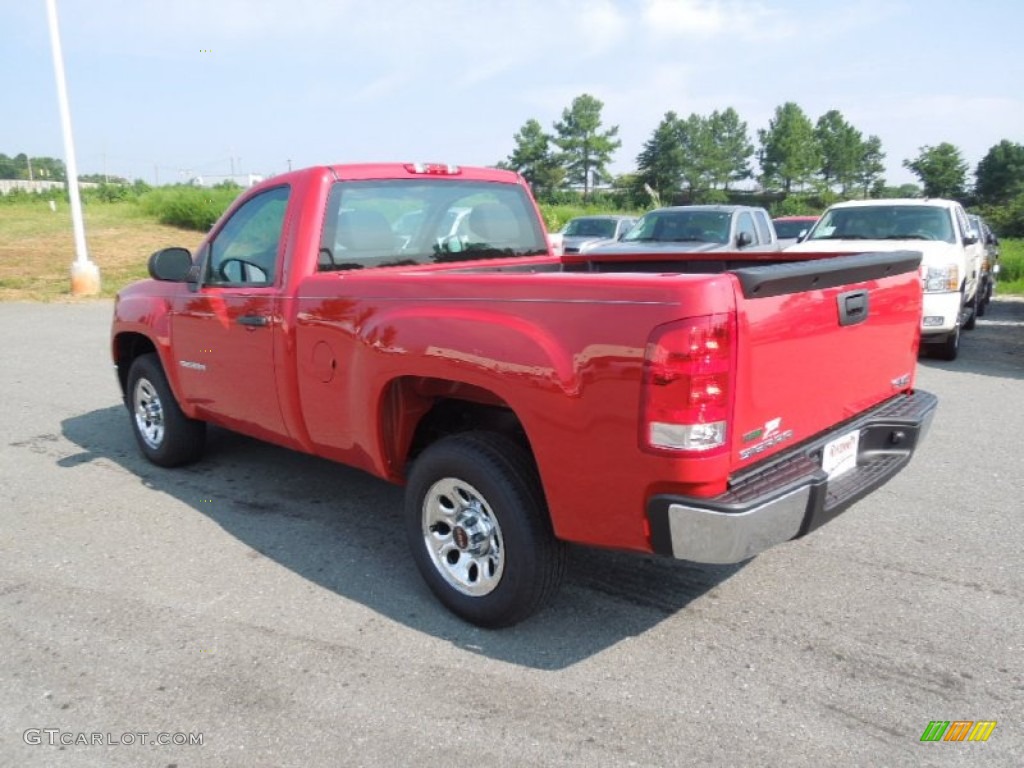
point(1011, 268)
point(37, 246)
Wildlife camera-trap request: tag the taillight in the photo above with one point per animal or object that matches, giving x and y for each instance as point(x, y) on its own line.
point(687, 385)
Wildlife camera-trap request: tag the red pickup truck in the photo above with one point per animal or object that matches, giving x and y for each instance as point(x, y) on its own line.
point(701, 406)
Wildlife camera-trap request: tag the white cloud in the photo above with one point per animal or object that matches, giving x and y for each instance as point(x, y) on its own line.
point(714, 18)
point(380, 87)
point(684, 17)
point(600, 27)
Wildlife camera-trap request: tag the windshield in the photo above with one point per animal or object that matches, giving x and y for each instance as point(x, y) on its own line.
point(604, 228)
point(396, 222)
point(790, 230)
point(885, 222)
point(679, 226)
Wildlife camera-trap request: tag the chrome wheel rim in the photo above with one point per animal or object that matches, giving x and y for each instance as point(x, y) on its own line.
point(149, 413)
point(463, 537)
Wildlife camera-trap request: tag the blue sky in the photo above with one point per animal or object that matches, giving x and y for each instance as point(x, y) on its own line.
point(159, 89)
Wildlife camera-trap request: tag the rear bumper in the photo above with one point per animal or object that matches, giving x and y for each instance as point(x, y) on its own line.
point(789, 495)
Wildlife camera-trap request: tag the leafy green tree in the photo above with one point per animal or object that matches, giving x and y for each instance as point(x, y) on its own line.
point(21, 166)
point(789, 155)
point(903, 190)
point(585, 149)
point(695, 142)
point(49, 168)
point(941, 169)
point(1000, 174)
point(730, 148)
point(1006, 219)
point(870, 169)
point(8, 167)
point(841, 149)
point(660, 163)
point(532, 157)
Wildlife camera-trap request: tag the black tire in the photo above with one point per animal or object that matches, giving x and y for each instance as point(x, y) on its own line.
point(986, 294)
point(973, 319)
point(479, 530)
point(950, 348)
point(166, 436)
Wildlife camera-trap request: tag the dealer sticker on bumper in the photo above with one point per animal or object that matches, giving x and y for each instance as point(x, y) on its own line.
point(840, 454)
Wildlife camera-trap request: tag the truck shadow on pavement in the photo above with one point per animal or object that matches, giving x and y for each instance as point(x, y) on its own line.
point(996, 345)
point(342, 530)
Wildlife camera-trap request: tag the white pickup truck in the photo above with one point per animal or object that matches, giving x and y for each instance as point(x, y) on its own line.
point(939, 229)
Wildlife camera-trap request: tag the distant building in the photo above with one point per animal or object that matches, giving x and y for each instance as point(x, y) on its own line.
point(244, 180)
point(8, 185)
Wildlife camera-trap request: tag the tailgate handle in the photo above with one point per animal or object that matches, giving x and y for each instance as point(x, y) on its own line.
point(256, 321)
point(853, 307)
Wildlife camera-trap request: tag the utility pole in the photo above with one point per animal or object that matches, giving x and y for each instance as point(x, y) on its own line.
point(29, 161)
point(85, 275)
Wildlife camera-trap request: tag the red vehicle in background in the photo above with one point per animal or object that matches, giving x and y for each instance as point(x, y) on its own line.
point(705, 406)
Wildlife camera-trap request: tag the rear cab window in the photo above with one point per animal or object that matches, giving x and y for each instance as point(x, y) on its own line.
point(386, 223)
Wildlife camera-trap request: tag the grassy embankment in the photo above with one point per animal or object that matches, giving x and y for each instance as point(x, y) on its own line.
point(1011, 269)
point(37, 245)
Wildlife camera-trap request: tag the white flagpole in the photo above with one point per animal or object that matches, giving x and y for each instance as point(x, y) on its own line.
point(85, 275)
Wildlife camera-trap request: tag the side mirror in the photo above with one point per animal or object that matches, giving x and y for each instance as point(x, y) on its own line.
point(970, 239)
point(743, 239)
point(170, 264)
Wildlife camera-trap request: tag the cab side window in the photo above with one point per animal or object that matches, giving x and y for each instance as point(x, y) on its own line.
point(245, 251)
point(763, 231)
point(746, 224)
point(961, 220)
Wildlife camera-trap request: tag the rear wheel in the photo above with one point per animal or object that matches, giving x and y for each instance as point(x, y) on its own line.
point(479, 530)
point(165, 435)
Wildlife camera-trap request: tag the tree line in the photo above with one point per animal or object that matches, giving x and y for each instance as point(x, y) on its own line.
point(697, 158)
point(21, 166)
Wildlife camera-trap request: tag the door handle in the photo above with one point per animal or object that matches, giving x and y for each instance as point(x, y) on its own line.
point(254, 321)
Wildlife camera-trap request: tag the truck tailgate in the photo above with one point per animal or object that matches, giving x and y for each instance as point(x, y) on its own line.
point(819, 342)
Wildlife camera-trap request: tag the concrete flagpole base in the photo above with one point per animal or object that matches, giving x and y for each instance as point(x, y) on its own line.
point(85, 278)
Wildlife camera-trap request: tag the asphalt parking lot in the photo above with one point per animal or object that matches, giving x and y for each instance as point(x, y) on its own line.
point(264, 601)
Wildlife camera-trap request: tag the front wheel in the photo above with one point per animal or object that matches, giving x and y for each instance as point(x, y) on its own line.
point(166, 436)
point(950, 348)
point(972, 321)
point(479, 531)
